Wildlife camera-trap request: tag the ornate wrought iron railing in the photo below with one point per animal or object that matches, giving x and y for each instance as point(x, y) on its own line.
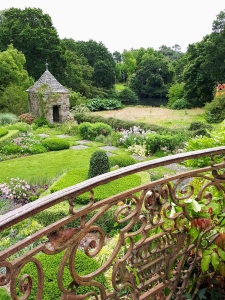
point(153, 253)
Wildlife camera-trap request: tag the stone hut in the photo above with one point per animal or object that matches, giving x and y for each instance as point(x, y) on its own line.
point(49, 99)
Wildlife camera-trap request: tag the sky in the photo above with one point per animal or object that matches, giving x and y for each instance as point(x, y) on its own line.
point(126, 24)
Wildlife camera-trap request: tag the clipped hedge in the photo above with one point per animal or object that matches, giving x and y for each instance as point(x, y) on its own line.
point(3, 132)
point(12, 134)
point(55, 144)
point(50, 263)
point(119, 124)
point(121, 160)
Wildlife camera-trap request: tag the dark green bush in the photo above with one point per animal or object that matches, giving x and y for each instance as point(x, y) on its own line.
point(215, 110)
point(99, 164)
point(103, 104)
point(3, 132)
point(128, 96)
point(199, 128)
point(55, 144)
point(40, 121)
point(84, 265)
point(121, 160)
point(180, 104)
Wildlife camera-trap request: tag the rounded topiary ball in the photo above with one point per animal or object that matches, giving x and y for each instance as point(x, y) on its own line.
point(99, 164)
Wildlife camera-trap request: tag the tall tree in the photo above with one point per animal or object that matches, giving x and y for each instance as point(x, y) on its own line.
point(32, 32)
point(14, 80)
point(153, 77)
point(101, 60)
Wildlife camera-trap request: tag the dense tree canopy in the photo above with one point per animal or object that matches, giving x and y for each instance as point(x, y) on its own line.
point(14, 81)
point(31, 32)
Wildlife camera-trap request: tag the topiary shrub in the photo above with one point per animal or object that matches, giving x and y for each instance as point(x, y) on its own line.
point(55, 144)
point(11, 149)
point(128, 96)
point(3, 132)
point(121, 160)
point(50, 263)
point(99, 164)
point(84, 129)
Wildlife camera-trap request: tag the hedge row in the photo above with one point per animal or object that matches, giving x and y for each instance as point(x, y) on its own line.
point(12, 134)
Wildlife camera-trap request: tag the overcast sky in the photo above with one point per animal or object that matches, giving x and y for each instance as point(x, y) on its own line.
point(126, 24)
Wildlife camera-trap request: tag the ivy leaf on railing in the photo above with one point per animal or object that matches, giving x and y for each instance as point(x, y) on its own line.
point(206, 259)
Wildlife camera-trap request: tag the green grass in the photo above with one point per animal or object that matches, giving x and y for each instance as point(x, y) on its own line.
point(46, 165)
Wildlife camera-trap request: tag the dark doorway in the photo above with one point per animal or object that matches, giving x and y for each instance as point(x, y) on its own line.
point(56, 113)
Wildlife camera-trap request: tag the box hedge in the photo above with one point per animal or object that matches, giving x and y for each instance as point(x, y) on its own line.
point(55, 144)
point(50, 263)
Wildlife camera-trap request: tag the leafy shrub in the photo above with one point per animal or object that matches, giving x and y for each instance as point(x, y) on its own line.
point(69, 126)
point(96, 104)
point(80, 109)
point(180, 104)
point(215, 110)
point(55, 144)
point(91, 131)
point(7, 118)
point(99, 164)
point(176, 92)
point(3, 132)
point(37, 149)
point(121, 160)
point(76, 99)
point(22, 127)
point(84, 129)
point(40, 121)
point(11, 149)
point(128, 96)
point(4, 295)
point(50, 263)
point(26, 118)
point(199, 128)
point(155, 142)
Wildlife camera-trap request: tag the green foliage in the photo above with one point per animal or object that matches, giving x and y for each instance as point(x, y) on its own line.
point(121, 160)
point(84, 265)
point(40, 121)
point(70, 126)
point(7, 118)
point(21, 127)
point(215, 110)
point(176, 92)
point(76, 99)
point(199, 128)
point(11, 149)
point(180, 104)
point(4, 295)
point(8, 137)
point(155, 142)
point(55, 144)
point(103, 104)
point(91, 131)
point(128, 96)
point(99, 164)
point(3, 132)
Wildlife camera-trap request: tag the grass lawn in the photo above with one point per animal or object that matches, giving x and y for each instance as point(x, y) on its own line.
point(45, 167)
point(156, 115)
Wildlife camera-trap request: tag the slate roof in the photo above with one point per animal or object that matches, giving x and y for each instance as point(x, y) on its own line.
point(48, 79)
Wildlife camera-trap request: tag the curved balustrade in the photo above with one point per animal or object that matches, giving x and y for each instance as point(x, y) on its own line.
point(153, 253)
